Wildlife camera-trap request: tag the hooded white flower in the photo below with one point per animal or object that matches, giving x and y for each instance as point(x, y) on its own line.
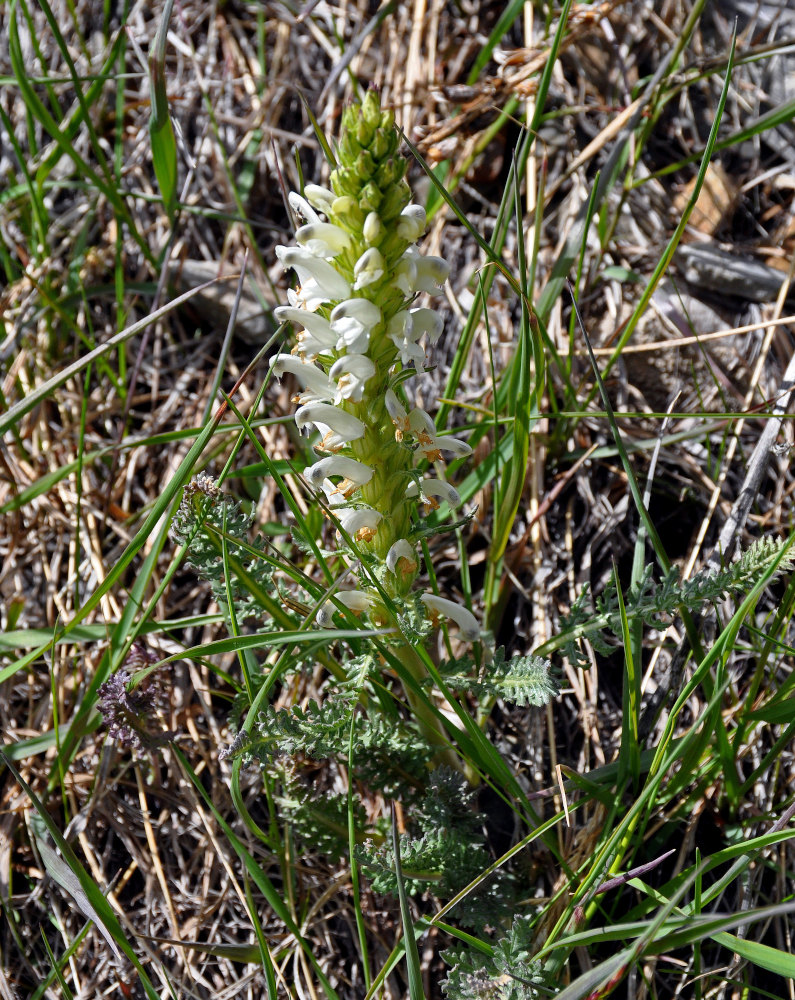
point(319, 197)
point(415, 273)
point(432, 272)
point(368, 268)
point(360, 523)
point(315, 381)
point(352, 321)
point(431, 489)
point(351, 373)
point(401, 550)
point(317, 337)
point(338, 427)
point(426, 321)
point(413, 221)
point(354, 474)
point(410, 353)
point(323, 239)
point(318, 280)
point(397, 414)
point(355, 600)
point(430, 444)
point(464, 619)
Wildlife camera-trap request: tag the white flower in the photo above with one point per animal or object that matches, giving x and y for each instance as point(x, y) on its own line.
point(317, 336)
point(432, 272)
point(413, 221)
point(406, 272)
point(302, 207)
point(397, 414)
point(318, 280)
point(368, 268)
point(352, 321)
point(314, 380)
point(333, 496)
point(433, 489)
point(319, 197)
point(351, 372)
point(430, 444)
point(323, 239)
point(426, 321)
point(355, 600)
point(360, 523)
point(464, 619)
point(401, 550)
point(409, 351)
point(415, 273)
point(337, 426)
point(353, 473)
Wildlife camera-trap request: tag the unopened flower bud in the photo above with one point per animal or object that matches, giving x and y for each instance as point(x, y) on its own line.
point(373, 229)
point(370, 197)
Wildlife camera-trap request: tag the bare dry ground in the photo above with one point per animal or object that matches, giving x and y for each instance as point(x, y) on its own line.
point(84, 466)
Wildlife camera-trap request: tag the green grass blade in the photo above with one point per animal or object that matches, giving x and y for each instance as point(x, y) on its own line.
point(416, 990)
point(773, 959)
point(161, 130)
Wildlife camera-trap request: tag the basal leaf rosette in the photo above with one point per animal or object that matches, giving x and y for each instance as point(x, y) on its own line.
point(361, 339)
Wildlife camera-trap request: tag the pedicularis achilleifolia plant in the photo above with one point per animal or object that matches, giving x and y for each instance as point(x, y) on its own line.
point(378, 469)
point(361, 342)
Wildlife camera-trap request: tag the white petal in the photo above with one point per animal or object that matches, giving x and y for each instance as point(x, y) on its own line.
point(360, 523)
point(401, 324)
point(412, 223)
point(323, 239)
point(401, 550)
point(352, 321)
point(337, 426)
point(432, 272)
point(406, 272)
point(395, 409)
point(368, 268)
point(435, 488)
point(373, 229)
point(351, 372)
point(316, 337)
point(319, 197)
point(355, 600)
point(464, 619)
point(302, 207)
point(353, 473)
point(420, 422)
point(318, 279)
point(313, 379)
point(453, 446)
point(426, 321)
point(410, 353)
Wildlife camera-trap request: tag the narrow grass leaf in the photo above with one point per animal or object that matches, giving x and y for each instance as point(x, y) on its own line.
point(416, 990)
point(782, 963)
point(161, 130)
